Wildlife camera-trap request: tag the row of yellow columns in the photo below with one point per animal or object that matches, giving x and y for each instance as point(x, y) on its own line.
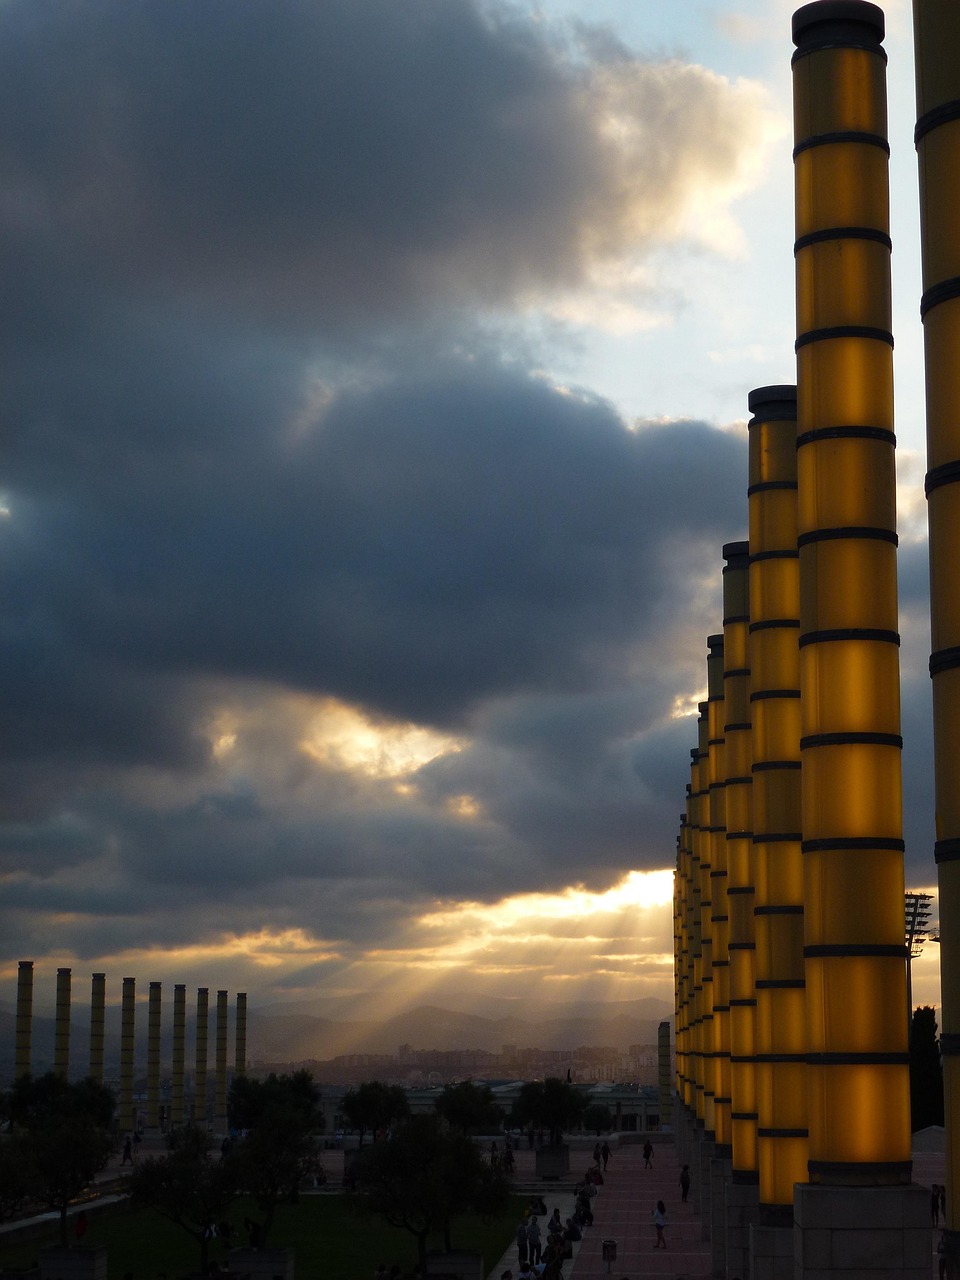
point(791, 974)
point(61, 1064)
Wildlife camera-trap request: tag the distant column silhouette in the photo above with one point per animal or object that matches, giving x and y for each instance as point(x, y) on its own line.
point(24, 1028)
point(61, 1042)
point(179, 1053)
point(200, 1072)
point(220, 1091)
point(153, 1054)
point(128, 998)
point(98, 1002)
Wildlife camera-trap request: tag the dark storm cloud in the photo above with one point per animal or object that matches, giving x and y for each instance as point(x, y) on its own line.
point(339, 159)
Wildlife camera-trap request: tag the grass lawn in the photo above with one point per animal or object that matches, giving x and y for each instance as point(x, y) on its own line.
point(332, 1241)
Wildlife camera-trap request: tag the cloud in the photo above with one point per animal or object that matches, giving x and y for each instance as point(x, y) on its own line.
point(337, 162)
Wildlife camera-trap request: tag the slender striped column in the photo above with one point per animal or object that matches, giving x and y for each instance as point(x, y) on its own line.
point(240, 1033)
point(739, 843)
point(664, 1077)
point(683, 957)
point(24, 1029)
point(179, 1053)
point(857, 1072)
point(698, 836)
point(937, 40)
point(61, 1040)
point(220, 1089)
point(98, 1011)
point(775, 701)
point(719, 915)
point(705, 1081)
point(153, 1054)
point(200, 1070)
point(128, 1013)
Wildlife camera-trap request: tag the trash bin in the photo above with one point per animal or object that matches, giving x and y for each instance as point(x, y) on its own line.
point(609, 1250)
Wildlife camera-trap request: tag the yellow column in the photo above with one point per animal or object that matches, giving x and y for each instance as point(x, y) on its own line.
point(719, 916)
point(220, 1089)
point(61, 1041)
point(179, 1052)
point(24, 1029)
point(240, 1034)
point(937, 39)
point(858, 1094)
point(200, 1072)
point(775, 701)
point(128, 997)
point(739, 842)
point(98, 1007)
point(705, 1089)
point(153, 1054)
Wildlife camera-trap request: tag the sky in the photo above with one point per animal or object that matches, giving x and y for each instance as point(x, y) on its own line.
point(373, 388)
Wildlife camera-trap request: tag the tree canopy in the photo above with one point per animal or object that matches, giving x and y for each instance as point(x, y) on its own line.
point(188, 1185)
point(470, 1108)
point(374, 1105)
point(424, 1176)
point(598, 1117)
point(63, 1137)
point(551, 1104)
point(281, 1115)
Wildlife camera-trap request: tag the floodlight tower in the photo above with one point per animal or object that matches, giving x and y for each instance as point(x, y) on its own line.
point(916, 920)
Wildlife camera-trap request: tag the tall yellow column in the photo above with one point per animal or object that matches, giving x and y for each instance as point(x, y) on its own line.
point(719, 916)
point(128, 1008)
point(98, 1010)
point(24, 1028)
point(179, 1053)
point(240, 1035)
point(153, 1054)
point(220, 1085)
point(61, 1041)
point(699, 797)
point(200, 1071)
point(937, 39)
point(705, 1082)
point(742, 1191)
point(859, 1105)
point(775, 702)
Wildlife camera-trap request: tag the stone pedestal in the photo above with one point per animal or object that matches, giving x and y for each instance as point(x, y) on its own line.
point(721, 1171)
point(771, 1252)
point(700, 1165)
point(553, 1162)
point(861, 1233)
point(262, 1264)
point(85, 1262)
point(743, 1197)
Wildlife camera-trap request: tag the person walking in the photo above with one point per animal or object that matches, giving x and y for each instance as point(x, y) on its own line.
point(648, 1154)
point(533, 1240)
point(522, 1242)
point(684, 1183)
point(660, 1221)
point(605, 1153)
point(935, 1204)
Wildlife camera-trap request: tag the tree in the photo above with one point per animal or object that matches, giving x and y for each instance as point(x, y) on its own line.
point(282, 1115)
point(424, 1176)
point(597, 1116)
point(552, 1104)
point(65, 1135)
point(374, 1105)
point(187, 1185)
point(926, 1070)
point(470, 1108)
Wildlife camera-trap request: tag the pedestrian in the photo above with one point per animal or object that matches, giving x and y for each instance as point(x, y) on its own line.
point(660, 1221)
point(935, 1204)
point(943, 1203)
point(522, 1242)
point(597, 1152)
point(684, 1183)
point(605, 1152)
point(127, 1151)
point(647, 1154)
point(533, 1240)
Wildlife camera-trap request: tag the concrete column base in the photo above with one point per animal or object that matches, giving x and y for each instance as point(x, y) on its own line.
point(771, 1252)
point(721, 1171)
point(743, 1199)
point(703, 1155)
point(861, 1233)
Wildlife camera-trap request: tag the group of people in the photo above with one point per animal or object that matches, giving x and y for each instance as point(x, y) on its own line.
point(502, 1159)
point(542, 1251)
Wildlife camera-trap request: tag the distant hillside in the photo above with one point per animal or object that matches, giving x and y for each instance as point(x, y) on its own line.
point(282, 1035)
